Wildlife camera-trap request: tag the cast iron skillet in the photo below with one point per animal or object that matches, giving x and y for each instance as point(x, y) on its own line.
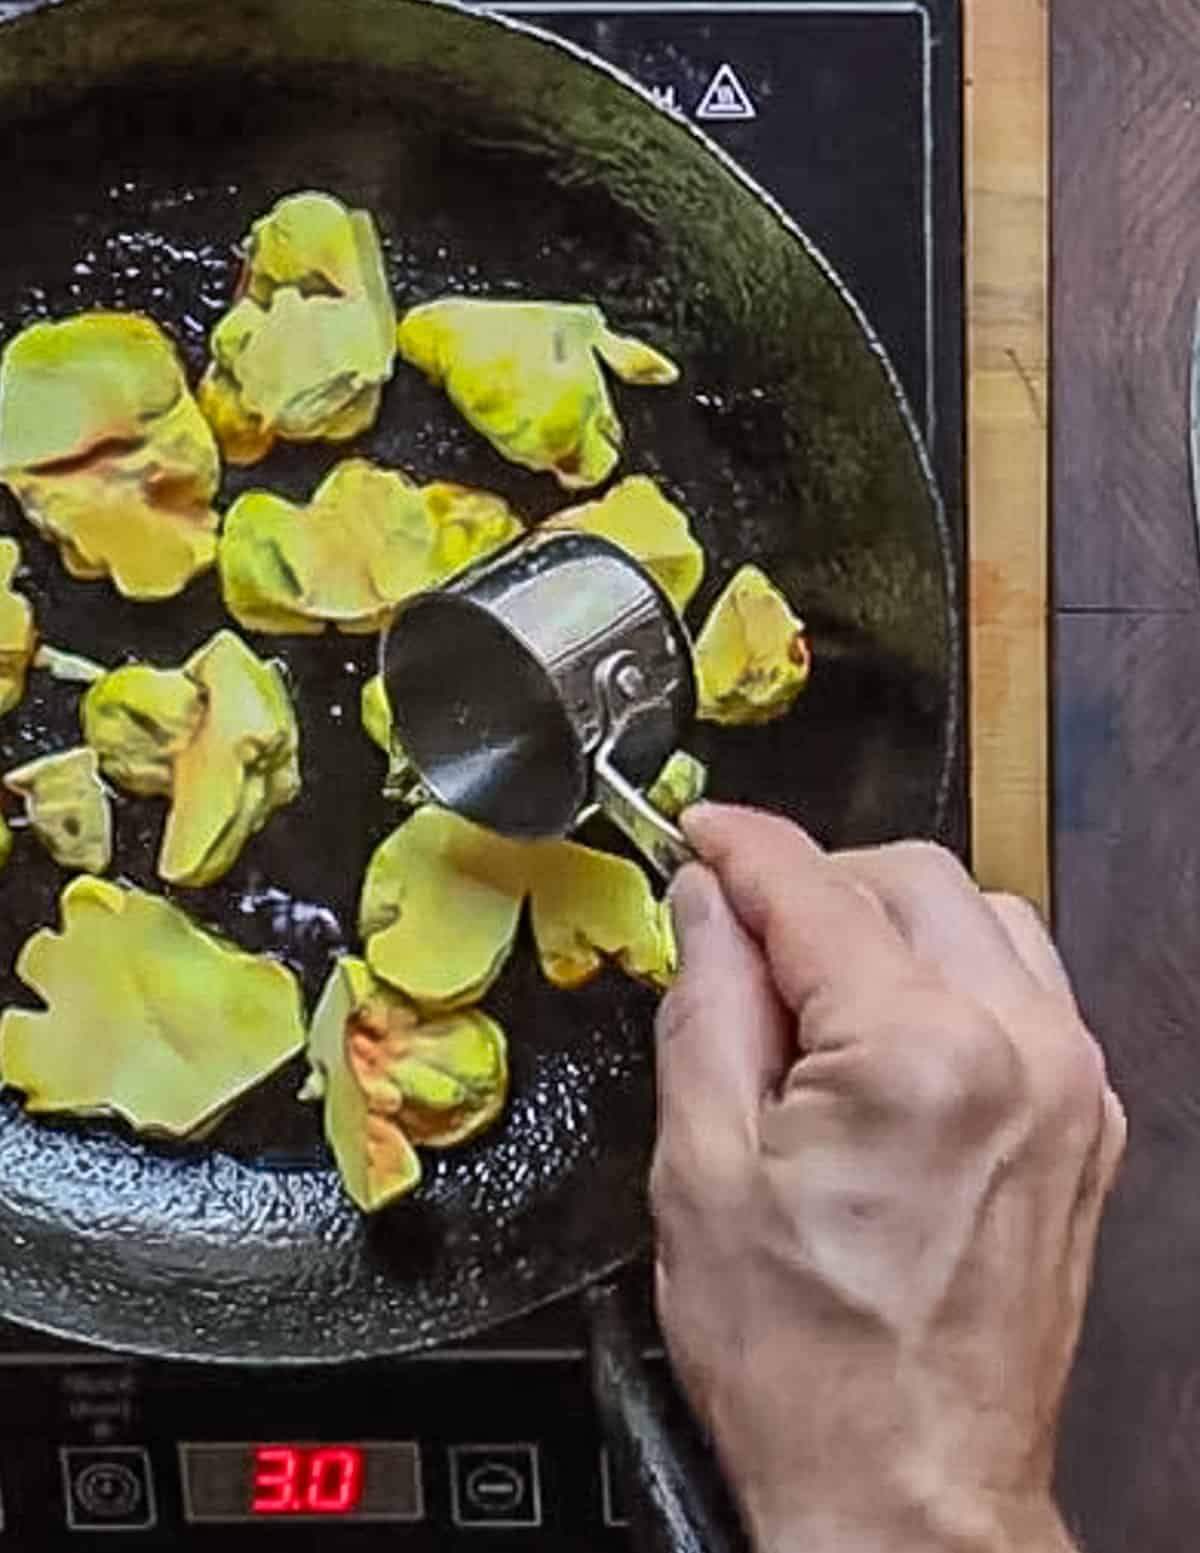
point(138, 138)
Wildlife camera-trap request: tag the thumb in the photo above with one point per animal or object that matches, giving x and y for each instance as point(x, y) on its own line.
point(724, 1034)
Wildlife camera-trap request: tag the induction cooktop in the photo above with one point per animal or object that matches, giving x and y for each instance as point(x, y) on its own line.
point(847, 114)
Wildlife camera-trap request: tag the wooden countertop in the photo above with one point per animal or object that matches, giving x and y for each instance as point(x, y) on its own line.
point(1006, 178)
point(1126, 207)
point(1124, 623)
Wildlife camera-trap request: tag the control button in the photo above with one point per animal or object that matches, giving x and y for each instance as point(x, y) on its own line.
point(495, 1485)
point(612, 1497)
point(109, 1489)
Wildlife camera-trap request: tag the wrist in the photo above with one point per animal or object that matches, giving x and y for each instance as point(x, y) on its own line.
point(971, 1526)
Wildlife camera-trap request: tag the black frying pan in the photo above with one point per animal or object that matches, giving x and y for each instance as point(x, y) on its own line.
point(138, 139)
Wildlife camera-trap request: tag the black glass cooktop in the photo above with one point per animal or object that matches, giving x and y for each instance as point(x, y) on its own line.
point(848, 115)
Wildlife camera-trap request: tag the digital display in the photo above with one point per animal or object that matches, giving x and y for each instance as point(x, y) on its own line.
point(293, 1481)
point(289, 1480)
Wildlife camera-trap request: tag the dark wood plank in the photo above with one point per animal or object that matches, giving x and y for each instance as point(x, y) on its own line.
point(1127, 754)
point(1127, 732)
point(1126, 232)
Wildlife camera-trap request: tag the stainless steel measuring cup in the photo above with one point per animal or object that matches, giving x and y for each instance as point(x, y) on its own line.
point(554, 678)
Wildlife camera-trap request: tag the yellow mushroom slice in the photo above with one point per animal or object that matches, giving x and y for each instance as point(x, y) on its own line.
point(18, 636)
point(588, 909)
point(375, 1160)
point(440, 908)
point(304, 351)
point(391, 1078)
point(752, 658)
point(376, 713)
point(68, 808)
point(368, 539)
point(147, 1017)
point(403, 783)
point(637, 516)
point(681, 783)
point(71, 668)
point(108, 453)
point(138, 719)
point(458, 526)
point(527, 376)
point(443, 1077)
point(6, 841)
point(442, 902)
point(240, 766)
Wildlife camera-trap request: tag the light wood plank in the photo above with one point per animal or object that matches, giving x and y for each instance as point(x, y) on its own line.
point(1007, 125)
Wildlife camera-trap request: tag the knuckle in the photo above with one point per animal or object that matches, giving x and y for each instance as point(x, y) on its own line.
point(672, 1191)
point(1018, 906)
point(687, 1190)
point(956, 1068)
point(927, 863)
point(1116, 1133)
point(663, 1183)
point(1076, 1080)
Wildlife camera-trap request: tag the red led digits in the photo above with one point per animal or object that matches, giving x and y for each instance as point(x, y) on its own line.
point(290, 1481)
point(276, 1474)
point(334, 1482)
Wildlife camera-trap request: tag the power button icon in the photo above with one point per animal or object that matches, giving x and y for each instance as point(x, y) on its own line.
point(109, 1489)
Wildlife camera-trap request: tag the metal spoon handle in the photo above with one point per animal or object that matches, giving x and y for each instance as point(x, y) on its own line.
point(660, 843)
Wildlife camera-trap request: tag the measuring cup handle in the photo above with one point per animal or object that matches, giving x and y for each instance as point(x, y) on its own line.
point(659, 842)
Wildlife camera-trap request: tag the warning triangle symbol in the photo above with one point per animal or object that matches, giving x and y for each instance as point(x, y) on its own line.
point(726, 97)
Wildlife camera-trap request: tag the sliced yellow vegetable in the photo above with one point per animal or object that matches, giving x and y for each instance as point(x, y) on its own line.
point(68, 808)
point(376, 713)
point(71, 668)
point(368, 539)
point(589, 909)
point(138, 719)
point(752, 658)
point(391, 1078)
point(637, 516)
point(442, 902)
point(240, 766)
point(18, 635)
point(527, 375)
point(147, 1017)
point(376, 1162)
point(440, 908)
point(304, 351)
point(681, 783)
point(443, 1079)
point(108, 453)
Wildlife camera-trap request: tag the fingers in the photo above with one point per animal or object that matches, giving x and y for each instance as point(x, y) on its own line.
point(819, 929)
point(946, 920)
point(723, 1037)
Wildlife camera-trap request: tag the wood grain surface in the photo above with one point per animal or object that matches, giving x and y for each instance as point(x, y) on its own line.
point(1126, 93)
point(1127, 276)
point(1007, 193)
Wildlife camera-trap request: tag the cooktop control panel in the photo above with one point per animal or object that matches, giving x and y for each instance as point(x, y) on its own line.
point(424, 1454)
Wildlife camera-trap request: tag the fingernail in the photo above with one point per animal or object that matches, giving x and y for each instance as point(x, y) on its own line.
point(691, 904)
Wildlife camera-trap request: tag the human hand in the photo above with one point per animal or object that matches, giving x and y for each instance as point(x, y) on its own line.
point(885, 1140)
